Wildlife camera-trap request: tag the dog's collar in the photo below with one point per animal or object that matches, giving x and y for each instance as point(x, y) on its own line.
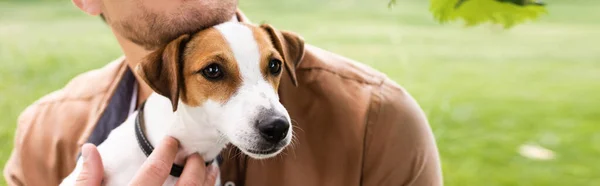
point(145, 145)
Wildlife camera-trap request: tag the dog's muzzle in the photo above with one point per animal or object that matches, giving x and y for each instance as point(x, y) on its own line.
point(273, 128)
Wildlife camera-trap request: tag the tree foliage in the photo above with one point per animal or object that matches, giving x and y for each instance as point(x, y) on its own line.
point(474, 12)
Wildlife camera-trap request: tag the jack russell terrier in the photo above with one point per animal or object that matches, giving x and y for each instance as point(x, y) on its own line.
point(212, 88)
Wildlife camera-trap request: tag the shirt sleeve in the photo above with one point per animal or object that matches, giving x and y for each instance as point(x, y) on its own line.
point(13, 171)
point(400, 148)
point(45, 144)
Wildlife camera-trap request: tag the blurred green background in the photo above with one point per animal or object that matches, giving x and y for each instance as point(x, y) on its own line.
point(486, 91)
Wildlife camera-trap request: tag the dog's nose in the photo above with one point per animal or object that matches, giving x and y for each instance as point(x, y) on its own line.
point(273, 129)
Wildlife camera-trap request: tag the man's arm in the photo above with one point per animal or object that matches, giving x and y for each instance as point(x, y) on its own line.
point(45, 145)
point(50, 131)
point(13, 171)
point(399, 147)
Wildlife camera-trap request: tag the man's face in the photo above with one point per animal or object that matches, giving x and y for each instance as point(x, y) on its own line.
point(152, 23)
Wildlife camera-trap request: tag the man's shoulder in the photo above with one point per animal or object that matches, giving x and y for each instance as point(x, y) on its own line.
point(348, 70)
point(79, 97)
point(84, 86)
point(323, 61)
point(349, 77)
point(59, 122)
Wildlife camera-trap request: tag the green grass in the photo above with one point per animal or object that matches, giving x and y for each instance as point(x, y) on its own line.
point(486, 91)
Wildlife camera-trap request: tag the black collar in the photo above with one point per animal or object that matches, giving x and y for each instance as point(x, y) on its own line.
point(145, 145)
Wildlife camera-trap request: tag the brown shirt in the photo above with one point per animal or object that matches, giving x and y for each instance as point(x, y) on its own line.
point(354, 126)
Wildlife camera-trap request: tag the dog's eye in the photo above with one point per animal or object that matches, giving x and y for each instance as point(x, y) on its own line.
point(274, 66)
point(212, 72)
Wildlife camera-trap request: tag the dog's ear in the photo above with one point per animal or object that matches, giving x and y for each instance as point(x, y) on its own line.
point(290, 45)
point(161, 69)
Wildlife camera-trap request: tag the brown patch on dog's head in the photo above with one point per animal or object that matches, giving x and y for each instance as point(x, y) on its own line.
point(207, 48)
point(268, 53)
point(290, 46)
point(176, 70)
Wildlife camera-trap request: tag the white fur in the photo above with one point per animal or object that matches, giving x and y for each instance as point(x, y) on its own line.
point(205, 129)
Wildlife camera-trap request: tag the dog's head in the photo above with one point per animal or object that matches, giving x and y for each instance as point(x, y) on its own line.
point(227, 76)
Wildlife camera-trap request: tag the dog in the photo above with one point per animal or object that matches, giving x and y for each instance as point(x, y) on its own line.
point(211, 88)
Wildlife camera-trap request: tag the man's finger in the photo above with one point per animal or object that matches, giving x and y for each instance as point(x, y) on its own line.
point(211, 175)
point(92, 170)
point(157, 167)
point(194, 171)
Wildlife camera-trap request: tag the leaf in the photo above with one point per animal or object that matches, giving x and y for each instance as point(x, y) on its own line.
point(476, 12)
point(391, 3)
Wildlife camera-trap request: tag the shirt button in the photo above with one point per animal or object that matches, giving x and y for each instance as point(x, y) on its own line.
point(229, 183)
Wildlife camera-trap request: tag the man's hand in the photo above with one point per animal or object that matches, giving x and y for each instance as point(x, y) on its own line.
point(154, 171)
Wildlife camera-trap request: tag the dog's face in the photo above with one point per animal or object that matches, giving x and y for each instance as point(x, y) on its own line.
point(227, 77)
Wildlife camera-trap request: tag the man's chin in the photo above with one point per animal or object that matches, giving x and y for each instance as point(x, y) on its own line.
point(152, 30)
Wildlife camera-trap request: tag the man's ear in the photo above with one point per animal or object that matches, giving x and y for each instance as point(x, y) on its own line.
point(290, 46)
point(161, 69)
point(92, 7)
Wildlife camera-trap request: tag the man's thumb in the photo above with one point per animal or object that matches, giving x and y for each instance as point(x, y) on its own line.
point(92, 170)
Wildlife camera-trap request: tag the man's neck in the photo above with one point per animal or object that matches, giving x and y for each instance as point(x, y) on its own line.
point(133, 55)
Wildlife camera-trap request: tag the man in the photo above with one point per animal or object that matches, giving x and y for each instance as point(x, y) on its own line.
point(356, 126)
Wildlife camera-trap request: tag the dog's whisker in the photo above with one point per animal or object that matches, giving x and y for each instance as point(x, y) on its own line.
point(293, 151)
point(292, 147)
point(236, 154)
point(295, 125)
point(294, 140)
point(294, 143)
point(229, 153)
point(297, 129)
point(239, 154)
point(221, 139)
point(218, 140)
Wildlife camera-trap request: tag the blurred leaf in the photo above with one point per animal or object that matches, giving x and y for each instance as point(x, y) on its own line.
point(391, 3)
point(475, 12)
point(522, 2)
